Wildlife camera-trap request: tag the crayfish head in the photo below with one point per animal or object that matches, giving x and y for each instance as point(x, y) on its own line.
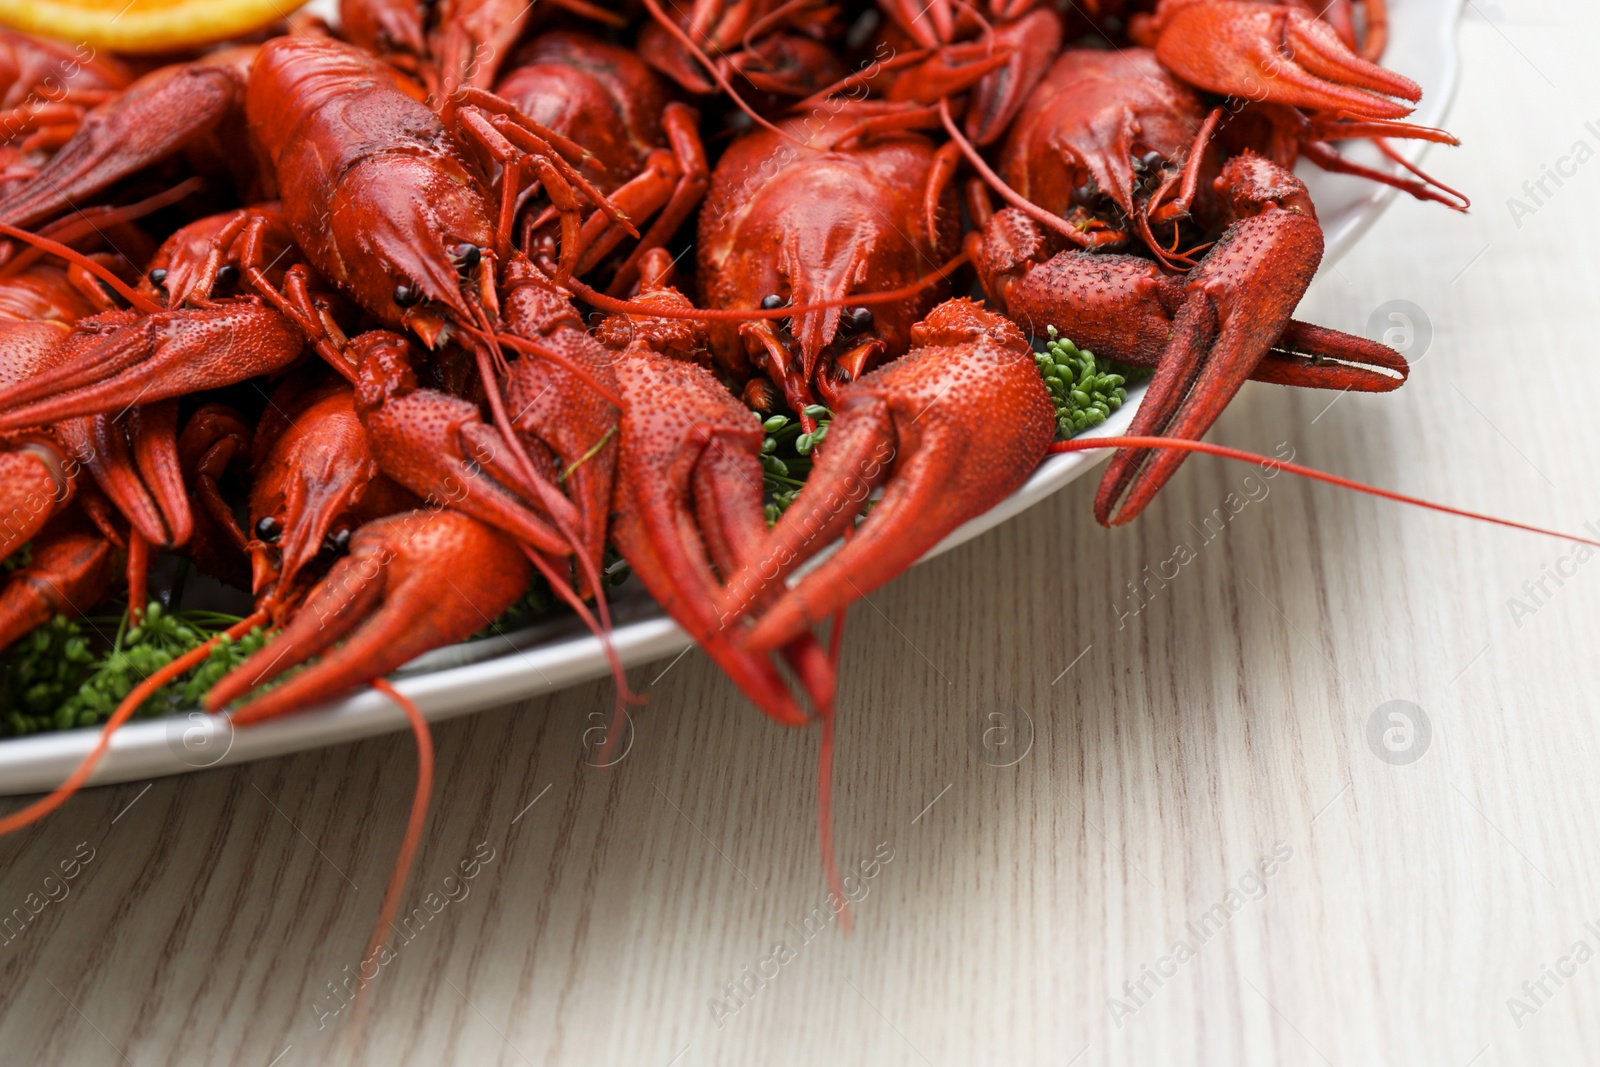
point(827, 247)
point(424, 262)
point(308, 485)
point(823, 261)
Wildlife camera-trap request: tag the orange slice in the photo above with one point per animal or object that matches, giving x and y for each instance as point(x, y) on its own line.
point(143, 25)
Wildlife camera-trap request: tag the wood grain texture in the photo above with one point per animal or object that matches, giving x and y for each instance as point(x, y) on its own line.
point(1172, 750)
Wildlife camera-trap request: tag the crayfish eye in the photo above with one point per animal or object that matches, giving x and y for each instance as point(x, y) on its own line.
point(340, 542)
point(771, 302)
point(405, 296)
point(227, 275)
point(468, 257)
point(268, 528)
point(857, 319)
point(158, 276)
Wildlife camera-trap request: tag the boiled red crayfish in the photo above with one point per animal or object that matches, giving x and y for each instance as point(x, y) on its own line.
point(643, 150)
point(397, 356)
point(1113, 148)
point(846, 212)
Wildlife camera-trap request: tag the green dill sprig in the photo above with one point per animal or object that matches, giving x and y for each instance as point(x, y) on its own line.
point(53, 679)
point(786, 457)
point(1084, 390)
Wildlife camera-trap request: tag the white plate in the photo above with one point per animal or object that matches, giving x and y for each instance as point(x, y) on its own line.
point(469, 677)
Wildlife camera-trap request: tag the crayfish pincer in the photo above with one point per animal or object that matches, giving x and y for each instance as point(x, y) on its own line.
point(949, 430)
point(1272, 51)
point(1206, 331)
point(687, 504)
point(71, 564)
point(412, 582)
point(120, 358)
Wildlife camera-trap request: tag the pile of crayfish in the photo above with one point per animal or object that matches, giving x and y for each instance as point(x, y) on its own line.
point(382, 320)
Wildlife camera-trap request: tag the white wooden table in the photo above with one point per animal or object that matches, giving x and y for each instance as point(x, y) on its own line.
point(1146, 764)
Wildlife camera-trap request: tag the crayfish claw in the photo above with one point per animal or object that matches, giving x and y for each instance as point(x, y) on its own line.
point(69, 566)
point(949, 430)
point(411, 583)
point(118, 359)
point(150, 120)
point(36, 482)
point(134, 460)
point(688, 466)
point(1236, 306)
point(1274, 53)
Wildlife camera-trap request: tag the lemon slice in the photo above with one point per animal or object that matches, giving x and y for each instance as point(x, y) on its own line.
point(143, 25)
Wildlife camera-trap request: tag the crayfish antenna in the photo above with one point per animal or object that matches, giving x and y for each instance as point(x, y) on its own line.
point(72, 255)
point(1047, 219)
point(601, 628)
point(615, 306)
point(89, 220)
point(588, 565)
point(1184, 445)
point(406, 858)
